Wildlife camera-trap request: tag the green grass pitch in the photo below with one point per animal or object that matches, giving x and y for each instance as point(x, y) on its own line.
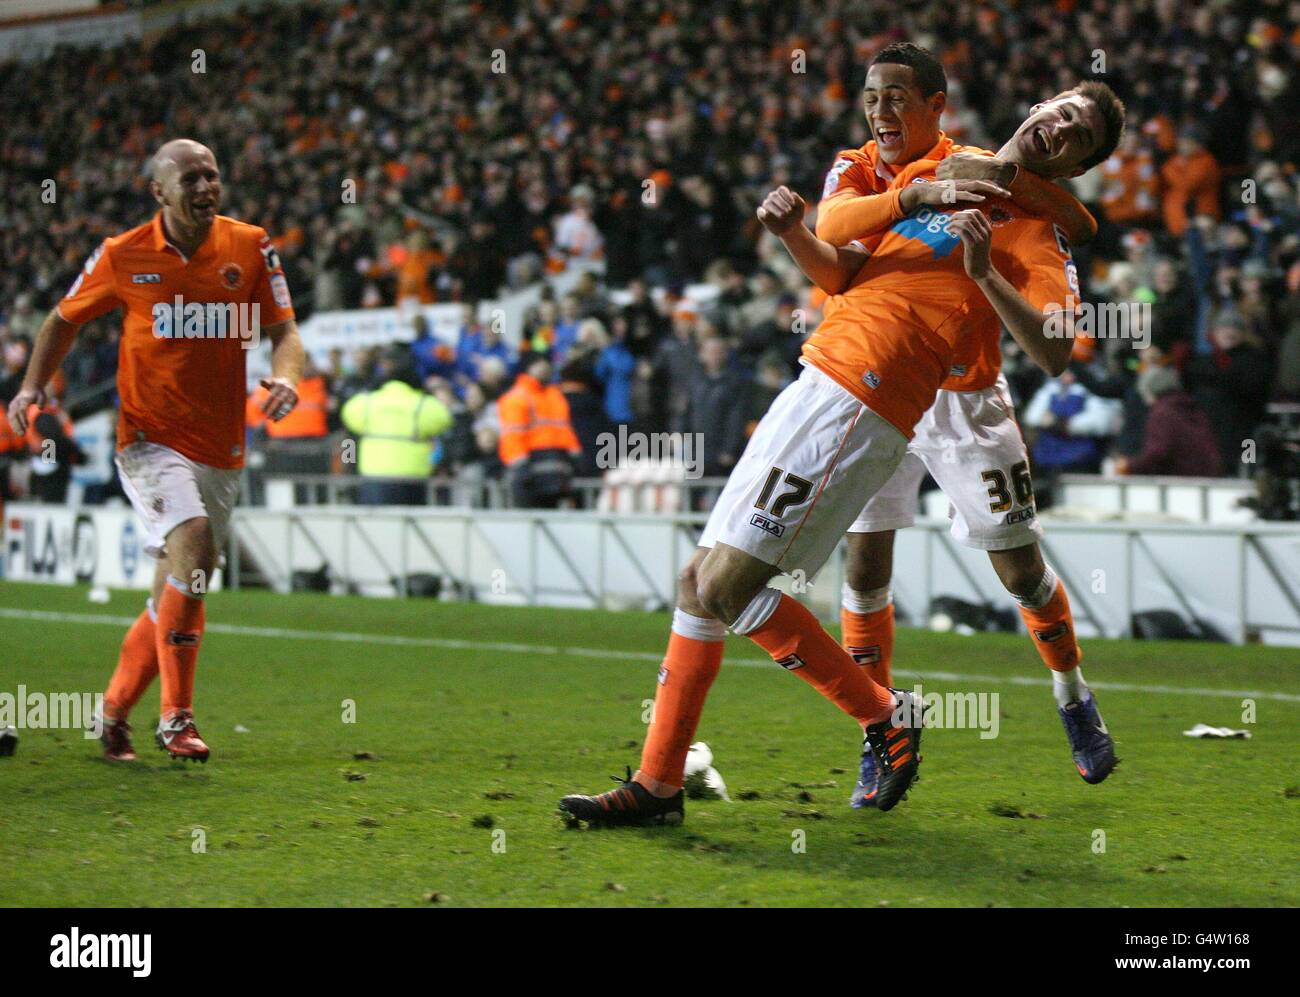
point(471, 721)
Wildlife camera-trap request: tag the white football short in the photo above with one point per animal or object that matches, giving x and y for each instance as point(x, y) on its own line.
point(801, 480)
point(167, 488)
point(970, 443)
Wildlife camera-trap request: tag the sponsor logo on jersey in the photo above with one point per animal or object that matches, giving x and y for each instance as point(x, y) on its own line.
point(931, 228)
point(146, 278)
point(1019, 516)
point(871, 379)
point(765, 524)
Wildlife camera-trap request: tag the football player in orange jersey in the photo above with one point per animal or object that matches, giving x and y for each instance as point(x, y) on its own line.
point(969, 440)
point(198, 290)
point(834, 436)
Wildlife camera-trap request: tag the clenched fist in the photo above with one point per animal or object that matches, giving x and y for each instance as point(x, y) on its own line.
point(781, 211)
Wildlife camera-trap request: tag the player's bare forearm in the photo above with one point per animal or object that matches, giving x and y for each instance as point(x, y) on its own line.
point(53, 343)
point(829, 267)
point(1027, 325)
point(287, 354)
point(287, 361)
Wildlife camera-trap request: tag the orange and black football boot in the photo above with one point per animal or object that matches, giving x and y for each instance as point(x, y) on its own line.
point(178, 736)
point(629, 803)
point(895, 744)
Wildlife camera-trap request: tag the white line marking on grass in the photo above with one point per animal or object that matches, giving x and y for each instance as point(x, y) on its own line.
point(394, 640)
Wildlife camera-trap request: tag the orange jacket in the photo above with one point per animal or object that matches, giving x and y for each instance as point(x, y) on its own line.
point(1130, 187)
point(1190, 178)
point(308, 418)
point(534, 417)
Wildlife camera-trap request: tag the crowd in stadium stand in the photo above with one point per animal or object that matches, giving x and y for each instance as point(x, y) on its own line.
point(412, 153)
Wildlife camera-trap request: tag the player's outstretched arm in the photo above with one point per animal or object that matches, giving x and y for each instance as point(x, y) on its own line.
point(843, 218)
point(831, 269)
point(53, 342)
point(287, 360)
point(1027, 325)
point(1037, 195)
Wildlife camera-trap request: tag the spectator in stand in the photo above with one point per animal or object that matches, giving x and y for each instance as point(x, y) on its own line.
point(1179, 439)
point(1073, 426)
point(576, 236)
point(1231, 382)
point(719, 408)
point(675, 368)
point(773, 377)
point(433, 358)
point(566, 329)
point(616, 370)
point(1131, 183)
point(586, 414)
point(478, 342)
point(1190, 177)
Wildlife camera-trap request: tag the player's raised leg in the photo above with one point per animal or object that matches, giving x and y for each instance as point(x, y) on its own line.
point(1045, 608)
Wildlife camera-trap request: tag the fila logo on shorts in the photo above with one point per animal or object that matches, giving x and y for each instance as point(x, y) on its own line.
point(1019, 516)
point(765, 524)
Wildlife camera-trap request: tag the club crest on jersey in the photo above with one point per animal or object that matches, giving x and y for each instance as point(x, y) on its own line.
point(766, 525)
point(231, 275)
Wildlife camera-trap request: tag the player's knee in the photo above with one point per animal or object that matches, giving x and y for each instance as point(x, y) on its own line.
point(1020, 576)
point(688, 596)
point(190, 546)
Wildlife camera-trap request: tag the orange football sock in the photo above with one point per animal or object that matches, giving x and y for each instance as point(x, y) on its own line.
point(798, 643)
point(137, 666)
point(1052, 628)
point(688, 671)
point(869, 639)
point(179, 633)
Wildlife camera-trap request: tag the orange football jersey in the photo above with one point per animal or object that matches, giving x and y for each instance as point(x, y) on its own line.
point(912, 318)
point(188, 323)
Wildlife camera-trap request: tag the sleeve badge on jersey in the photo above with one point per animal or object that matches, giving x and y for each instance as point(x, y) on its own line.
point(270, 255)
point(280, 290)
point(833, 177)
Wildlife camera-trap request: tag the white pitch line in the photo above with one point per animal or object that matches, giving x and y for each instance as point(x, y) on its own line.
point(394, 640)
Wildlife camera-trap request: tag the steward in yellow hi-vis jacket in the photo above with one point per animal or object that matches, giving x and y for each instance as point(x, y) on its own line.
point(395, 426)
